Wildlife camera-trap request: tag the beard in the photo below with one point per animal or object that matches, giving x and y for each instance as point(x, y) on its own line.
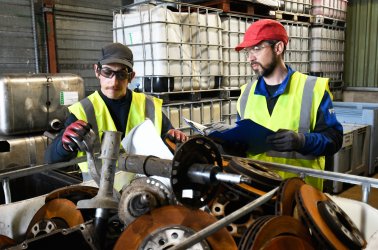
point(266, 71)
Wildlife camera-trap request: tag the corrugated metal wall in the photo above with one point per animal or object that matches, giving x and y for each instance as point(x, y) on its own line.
point(17, 52)
point(361, 55)
point(82, 28)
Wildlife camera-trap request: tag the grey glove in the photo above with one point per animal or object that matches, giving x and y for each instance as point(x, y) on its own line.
point(286, 140)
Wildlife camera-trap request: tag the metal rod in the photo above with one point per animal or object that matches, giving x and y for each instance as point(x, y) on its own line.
point(348, 178)
point(365, 192)
point(7, 193)
point(25, 171)
point(201, 235)
point(35, 43)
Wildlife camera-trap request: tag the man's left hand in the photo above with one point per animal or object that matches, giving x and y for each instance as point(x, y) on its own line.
point(286, 140)
point(176, 135)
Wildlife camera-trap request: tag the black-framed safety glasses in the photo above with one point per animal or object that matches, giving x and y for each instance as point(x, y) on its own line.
point(122, 74)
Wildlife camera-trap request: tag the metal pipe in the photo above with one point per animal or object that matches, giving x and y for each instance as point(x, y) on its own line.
point(365, 192)
point(25, 171)
point(34, 37)
point(7, 193)
point(348, 178)
point(362, 89)
point(147, 165)
point(201, 235)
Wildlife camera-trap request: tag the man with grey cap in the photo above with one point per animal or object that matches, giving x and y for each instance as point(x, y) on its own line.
point(113, 108)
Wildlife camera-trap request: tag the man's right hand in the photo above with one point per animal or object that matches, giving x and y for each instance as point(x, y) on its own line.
point(75, 132)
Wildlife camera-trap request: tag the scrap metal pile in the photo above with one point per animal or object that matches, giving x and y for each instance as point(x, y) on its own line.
point(198, 200)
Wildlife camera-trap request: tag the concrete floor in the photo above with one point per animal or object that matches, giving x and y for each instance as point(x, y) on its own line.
point(355, 192)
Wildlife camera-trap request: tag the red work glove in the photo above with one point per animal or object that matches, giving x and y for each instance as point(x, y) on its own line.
point(286, 140)
point(74, 132)
point(176, 135)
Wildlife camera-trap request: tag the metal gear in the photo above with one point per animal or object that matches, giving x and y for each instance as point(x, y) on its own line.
point(141, 196)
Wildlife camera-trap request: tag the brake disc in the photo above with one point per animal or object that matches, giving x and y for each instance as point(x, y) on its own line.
point(73, 193)
point(328, 225)
point(5, 242)
point(262, 178)
point(228, 202)
point(285, 202)
point(341, 224)
point(196, 150)
point(54, 214)
point(284, 242)
point(246, 241)
point(167, 226)
point(280, 225)
point(141, 196)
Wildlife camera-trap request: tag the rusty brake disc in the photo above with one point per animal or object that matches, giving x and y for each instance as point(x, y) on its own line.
point(285, 202)
point(73, 193)
point(280, 225)
point(262, 178)
point(6, 242)
point(284, 242)
point(167, 226)
point(54, 214)
point(326, 221)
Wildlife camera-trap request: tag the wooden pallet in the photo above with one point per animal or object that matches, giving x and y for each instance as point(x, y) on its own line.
point(297, 17)
point(194, 96)
point(324, 20)
point(238, 7)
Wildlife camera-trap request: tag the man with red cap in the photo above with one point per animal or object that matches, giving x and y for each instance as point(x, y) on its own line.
point(297, 106)
point(113, 107)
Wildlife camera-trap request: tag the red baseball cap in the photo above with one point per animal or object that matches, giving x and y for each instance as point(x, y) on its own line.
point(263, 30)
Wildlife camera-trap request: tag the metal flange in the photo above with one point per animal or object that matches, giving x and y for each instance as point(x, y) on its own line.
point(202, 151)
point(141, 196)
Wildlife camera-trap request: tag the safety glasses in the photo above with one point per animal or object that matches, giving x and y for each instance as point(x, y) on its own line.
point(122, 74)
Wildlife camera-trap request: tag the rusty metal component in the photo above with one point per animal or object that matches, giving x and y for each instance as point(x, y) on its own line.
point(310, 202)
point(280, 225)
point(198, 150)
point(5, 242)
point(77, 237)
point(141, 196)
point(227, 202)
point(55, 214)
point(247, 240)
point(284, 242)
point(232, 197)
point(73, 193)
point(167, 226)
point(262, 177)
point(285, 202)
point(269, 227)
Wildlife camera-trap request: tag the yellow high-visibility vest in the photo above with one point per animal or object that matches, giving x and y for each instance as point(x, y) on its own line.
point(93, 110)
point(296, 109)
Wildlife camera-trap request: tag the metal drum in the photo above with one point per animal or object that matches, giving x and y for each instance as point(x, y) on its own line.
point(17, 151)
point(31, 101)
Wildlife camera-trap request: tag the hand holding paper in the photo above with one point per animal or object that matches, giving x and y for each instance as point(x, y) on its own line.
point(245, 132)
